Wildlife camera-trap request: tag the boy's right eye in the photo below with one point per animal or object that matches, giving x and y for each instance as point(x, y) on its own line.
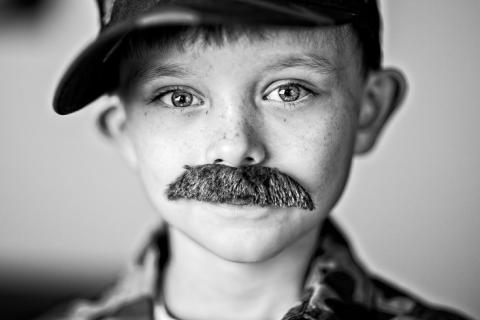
point(177, 98)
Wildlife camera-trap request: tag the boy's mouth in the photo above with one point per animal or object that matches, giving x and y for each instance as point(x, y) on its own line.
point(240, 186)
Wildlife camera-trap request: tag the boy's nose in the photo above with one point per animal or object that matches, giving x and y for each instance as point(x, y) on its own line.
point(235, 143)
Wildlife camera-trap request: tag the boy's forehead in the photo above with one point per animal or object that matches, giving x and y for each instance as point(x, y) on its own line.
point(328, 48)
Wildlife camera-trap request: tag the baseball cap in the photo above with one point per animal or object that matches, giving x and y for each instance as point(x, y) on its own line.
point(88, 76)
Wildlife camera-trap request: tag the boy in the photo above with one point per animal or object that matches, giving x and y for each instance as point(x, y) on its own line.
point(241, 119)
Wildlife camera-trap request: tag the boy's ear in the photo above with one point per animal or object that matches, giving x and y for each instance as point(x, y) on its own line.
point(384, 92)
point(112, 124)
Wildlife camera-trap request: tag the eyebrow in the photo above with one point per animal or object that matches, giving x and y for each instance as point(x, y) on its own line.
point(311, 61)
point(148, 72)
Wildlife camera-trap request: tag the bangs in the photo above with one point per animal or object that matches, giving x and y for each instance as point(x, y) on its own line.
point(139, 44)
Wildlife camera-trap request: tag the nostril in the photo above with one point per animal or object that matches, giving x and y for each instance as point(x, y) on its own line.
point(249, 159)
point(218, 161)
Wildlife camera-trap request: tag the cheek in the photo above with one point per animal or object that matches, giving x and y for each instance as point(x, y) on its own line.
point(334, 148)
point(320, 151)
point(162, 150)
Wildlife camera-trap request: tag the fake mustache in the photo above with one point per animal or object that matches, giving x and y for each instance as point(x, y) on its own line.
point(249, 185)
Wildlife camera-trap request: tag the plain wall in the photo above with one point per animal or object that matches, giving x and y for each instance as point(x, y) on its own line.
point(71, 211)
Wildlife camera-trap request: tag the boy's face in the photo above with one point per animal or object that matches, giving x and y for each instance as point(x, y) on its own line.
point(287, 101)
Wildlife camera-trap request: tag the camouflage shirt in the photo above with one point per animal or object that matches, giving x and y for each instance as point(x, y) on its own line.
point(336, 287)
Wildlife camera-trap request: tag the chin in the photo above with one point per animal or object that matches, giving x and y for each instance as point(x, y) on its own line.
point(245, 249)
point(240, 234)
point(252, 241)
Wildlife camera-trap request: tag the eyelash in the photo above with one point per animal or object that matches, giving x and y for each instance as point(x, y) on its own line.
point(156, 97)
point(291, 104)
point(160, 93)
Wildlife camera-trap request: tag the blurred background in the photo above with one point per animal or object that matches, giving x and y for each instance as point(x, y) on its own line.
point(71, 213)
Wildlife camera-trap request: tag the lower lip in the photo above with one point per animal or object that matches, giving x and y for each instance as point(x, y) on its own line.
point(237, 211)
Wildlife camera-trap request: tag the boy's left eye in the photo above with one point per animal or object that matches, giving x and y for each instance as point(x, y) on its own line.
point(288, 93)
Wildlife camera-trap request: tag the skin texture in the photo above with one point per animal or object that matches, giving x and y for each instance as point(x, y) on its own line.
point(248, 260)
point(311, 141)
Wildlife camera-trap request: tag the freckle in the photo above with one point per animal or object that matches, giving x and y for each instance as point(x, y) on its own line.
point(284, 119)
point(145, 114)
point(206, 112)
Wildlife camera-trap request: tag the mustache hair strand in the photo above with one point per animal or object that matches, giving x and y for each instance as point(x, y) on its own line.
point(249, 185)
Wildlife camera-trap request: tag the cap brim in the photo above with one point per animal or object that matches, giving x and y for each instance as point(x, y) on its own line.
point(87, 78)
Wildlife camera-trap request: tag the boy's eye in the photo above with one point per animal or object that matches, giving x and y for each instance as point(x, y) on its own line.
point(178, 98)
point(290, 92)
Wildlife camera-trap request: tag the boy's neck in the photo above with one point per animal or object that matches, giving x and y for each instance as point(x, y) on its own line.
point(199, 285)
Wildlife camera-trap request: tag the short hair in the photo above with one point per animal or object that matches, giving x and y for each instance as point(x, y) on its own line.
point(369, 40)
point(138, 43)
